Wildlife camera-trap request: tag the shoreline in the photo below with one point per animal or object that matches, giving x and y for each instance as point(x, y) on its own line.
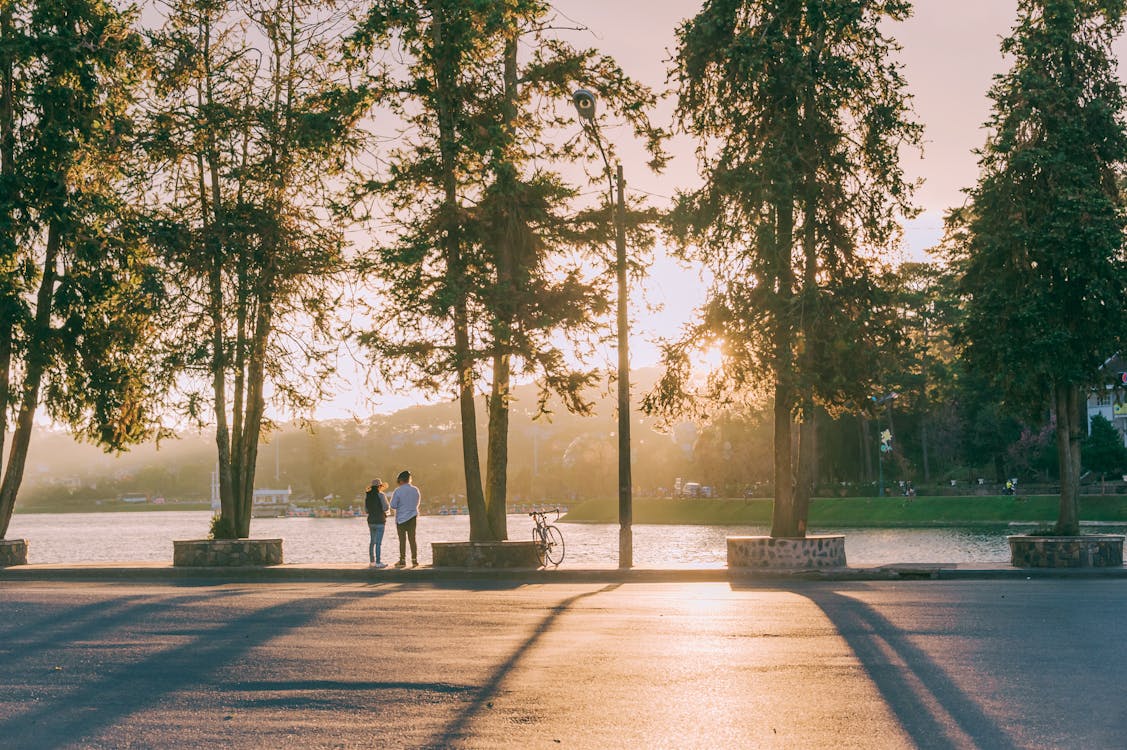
point(862, 512)
point(825, 513)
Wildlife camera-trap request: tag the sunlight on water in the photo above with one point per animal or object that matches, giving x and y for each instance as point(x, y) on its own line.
point(147, 537)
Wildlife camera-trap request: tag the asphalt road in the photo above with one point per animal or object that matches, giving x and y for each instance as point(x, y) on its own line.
point(936, 664)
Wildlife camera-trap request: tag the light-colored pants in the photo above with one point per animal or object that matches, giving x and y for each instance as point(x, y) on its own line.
point(376, 533)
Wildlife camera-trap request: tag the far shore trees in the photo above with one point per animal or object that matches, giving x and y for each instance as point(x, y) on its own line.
point(800, 112)
point(78, 292)
point(250, 124)
point(1040, 249)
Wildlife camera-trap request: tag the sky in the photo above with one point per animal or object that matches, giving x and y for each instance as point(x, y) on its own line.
point(950, 54)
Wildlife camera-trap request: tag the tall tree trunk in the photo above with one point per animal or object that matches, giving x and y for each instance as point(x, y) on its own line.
point(227, 509)
point(8, 296)
point(925, 402)
point(36, 363)
point(784, 521)
point(497, 461)
point(807, 466)
point(255, 408)
point(1066, 398)
point(471, 458)
point(924, 447)
point(5, 382)
point(865, 443)
point(211, 225)
point(808, 361)
point(506, 252)
point(446, 99)
point(214, 229)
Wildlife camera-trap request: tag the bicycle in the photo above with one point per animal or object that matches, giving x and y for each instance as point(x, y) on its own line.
point(549, 540)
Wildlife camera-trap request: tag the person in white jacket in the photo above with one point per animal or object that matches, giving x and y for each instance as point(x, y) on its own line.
point(405, 504)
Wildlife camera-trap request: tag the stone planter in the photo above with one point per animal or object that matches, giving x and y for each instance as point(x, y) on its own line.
point(784, 553)
point(13, 552)
point(508, 554)
point(1084, 551)
point(219, 553)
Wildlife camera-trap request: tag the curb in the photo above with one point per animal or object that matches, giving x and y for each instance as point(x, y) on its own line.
point(315, 574)
point(310, 574)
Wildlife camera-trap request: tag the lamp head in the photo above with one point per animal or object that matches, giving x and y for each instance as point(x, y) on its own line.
point(584, 102)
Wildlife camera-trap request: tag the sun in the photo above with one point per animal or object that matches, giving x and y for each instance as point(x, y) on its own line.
point(709, 360)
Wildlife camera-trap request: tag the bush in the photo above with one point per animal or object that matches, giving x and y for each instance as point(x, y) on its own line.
point(221, 528)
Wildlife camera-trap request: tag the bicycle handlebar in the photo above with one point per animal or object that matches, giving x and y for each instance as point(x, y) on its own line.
point(544, 513)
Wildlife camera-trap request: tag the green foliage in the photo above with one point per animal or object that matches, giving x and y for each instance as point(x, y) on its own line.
point(480, 214)
point(1040, 247)
point(80, 302)
point(800, 114)
point(1103, 450)
point(1039, 250)
point(247, 151)
point(222, 528)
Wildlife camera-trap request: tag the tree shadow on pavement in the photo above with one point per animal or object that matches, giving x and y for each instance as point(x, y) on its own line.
point(24, 640)
point(68, 716)
point(453, 731)
point(929, 705)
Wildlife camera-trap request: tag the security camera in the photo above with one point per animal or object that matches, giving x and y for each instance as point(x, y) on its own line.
point(584, 103)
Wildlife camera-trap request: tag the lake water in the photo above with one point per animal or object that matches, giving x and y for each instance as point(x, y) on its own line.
point(147, 537)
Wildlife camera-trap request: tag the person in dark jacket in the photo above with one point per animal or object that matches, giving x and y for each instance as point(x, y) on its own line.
point(375, 502)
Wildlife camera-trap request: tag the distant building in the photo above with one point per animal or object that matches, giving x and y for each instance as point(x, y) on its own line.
point(70, 483)
point(1110, 400)
point(270, 503)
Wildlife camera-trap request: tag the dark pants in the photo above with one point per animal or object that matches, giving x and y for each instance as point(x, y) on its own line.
point(407, 532)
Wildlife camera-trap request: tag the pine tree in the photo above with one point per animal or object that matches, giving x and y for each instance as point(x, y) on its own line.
point(487, 271)
point(246, 148)
point(536, 238)
point(1103, 449)
point(1041, 258)
point(800, 114)
point(79, 296)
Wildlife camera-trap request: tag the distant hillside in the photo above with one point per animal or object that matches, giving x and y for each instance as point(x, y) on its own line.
point(563, 456)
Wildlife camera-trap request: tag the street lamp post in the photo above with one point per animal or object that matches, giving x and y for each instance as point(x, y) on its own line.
point(584, 102)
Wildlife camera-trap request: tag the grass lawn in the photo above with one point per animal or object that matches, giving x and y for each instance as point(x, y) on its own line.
point(858, 511)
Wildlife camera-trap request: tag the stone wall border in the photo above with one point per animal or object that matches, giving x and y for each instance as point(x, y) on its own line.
point(506, 554)
point(221, 553)
point(1084, 551)
point(13, 552)
point(785, 553)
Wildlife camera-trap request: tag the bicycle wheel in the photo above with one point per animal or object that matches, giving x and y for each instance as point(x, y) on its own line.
point(554, 547)
point(541, 544)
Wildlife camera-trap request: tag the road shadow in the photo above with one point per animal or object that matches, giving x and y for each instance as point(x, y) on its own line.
point(21, 641)
point(920, 694)
point(453, 732)
point(67, 716)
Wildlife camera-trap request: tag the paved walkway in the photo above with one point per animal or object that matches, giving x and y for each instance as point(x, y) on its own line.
point(994, 664)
